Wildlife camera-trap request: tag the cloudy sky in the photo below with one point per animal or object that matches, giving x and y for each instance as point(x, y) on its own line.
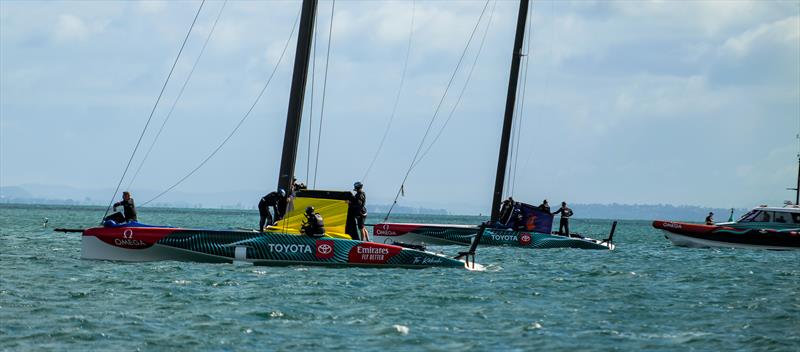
point(680, 102)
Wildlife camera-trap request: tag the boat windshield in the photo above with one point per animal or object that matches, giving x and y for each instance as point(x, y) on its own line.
point(771, 216)
point(749, 216)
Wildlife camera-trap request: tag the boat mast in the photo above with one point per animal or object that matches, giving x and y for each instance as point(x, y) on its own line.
point(502, 160)
point(797, 188)
point(299, 78)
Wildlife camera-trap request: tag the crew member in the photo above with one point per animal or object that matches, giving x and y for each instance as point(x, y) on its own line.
point(506, 211)
point(285, 203)
point(518, 220)
point(566, 213)
point(270, 200)
point(298, 186)
point(128, 209)
point(358, 213)
point(710, 218)
point(545, 207)
point(314, 225)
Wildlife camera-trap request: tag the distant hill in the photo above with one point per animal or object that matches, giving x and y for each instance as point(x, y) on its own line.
point(46, 194)
point(14, 192)
point(652, 212)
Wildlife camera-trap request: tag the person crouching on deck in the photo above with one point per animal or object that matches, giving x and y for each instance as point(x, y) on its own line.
point(314, 225)
point(128, 209)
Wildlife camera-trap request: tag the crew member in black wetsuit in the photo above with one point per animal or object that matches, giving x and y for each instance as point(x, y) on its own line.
point(314, 225)
point(298, 186)
point(270, 200)
point(358, 213)
point(710, 219)
point(563, 227)
point(518, 221)
point(545, 207)
point(506, 211)
point(128, 209)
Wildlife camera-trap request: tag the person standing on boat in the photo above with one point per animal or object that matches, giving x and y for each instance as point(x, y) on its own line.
point(710, 219)
point(545, 207)
point(271, 200)
point(566, 213)
point(314, 225)
point(358, 213)
point(128, 209)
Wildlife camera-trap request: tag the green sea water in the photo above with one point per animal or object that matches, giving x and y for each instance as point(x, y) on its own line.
point(645, 296)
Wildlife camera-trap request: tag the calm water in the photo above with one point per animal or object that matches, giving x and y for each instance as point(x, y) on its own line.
point(646, 295)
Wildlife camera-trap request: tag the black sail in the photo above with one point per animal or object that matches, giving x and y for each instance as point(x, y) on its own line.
point(297, 94)
point(502, 159)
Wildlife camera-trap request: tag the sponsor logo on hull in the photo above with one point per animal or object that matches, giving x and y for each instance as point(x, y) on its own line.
point(127, 240)
point(672, 225)
point(393, 229)
point(325, 249)
point(427, 260)
point(525, 239)
point(505, 238)
point(289, 248)
point(372, 253)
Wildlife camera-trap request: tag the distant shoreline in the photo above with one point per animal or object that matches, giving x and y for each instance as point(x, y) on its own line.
point(582, 211)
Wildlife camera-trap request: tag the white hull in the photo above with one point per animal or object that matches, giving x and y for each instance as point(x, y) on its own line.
point(94, 248)
point(692, 242)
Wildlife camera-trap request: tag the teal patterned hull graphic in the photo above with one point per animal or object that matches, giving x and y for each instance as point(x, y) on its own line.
point(287, 249)
point(456, 235)
point(495, 237)
point(442, 235)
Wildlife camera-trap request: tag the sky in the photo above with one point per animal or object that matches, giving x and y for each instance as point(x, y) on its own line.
point(647, 102)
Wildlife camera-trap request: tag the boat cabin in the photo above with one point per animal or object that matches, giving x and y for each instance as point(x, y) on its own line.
point(788, 216)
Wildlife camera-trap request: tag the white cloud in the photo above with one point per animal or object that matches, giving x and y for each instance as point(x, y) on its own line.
point(784, 32)
point(70, 28)
point(151, 6)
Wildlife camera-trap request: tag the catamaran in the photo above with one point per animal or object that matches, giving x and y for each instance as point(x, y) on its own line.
point(279, 245)
point(537, 229)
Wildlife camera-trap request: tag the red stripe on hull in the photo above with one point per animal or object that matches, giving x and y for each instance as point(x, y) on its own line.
point(129, 237)
point(394, 229)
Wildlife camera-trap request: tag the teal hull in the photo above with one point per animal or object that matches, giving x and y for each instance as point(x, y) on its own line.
point(427, 234)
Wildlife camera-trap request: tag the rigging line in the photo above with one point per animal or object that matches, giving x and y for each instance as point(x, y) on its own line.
point(546, 79)
point(180, 93)
point(324, 86)
point(436, 112)
point(399, 93)
point(311, 103)
point(521, 117)
point(149, 118)
point(463, 88)
point(241, 121)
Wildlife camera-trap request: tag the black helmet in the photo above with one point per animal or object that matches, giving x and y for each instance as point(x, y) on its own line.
point(281, 192)
point(310, 210)
point(358, 185)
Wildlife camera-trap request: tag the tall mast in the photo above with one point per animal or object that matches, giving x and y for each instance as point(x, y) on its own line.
point(502, 160)
point(295, 113)
point(797, 189)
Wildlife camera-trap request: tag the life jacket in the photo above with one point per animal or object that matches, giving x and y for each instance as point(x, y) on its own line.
point(315, 226)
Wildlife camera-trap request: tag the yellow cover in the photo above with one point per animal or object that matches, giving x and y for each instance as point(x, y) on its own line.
point(333, 211)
